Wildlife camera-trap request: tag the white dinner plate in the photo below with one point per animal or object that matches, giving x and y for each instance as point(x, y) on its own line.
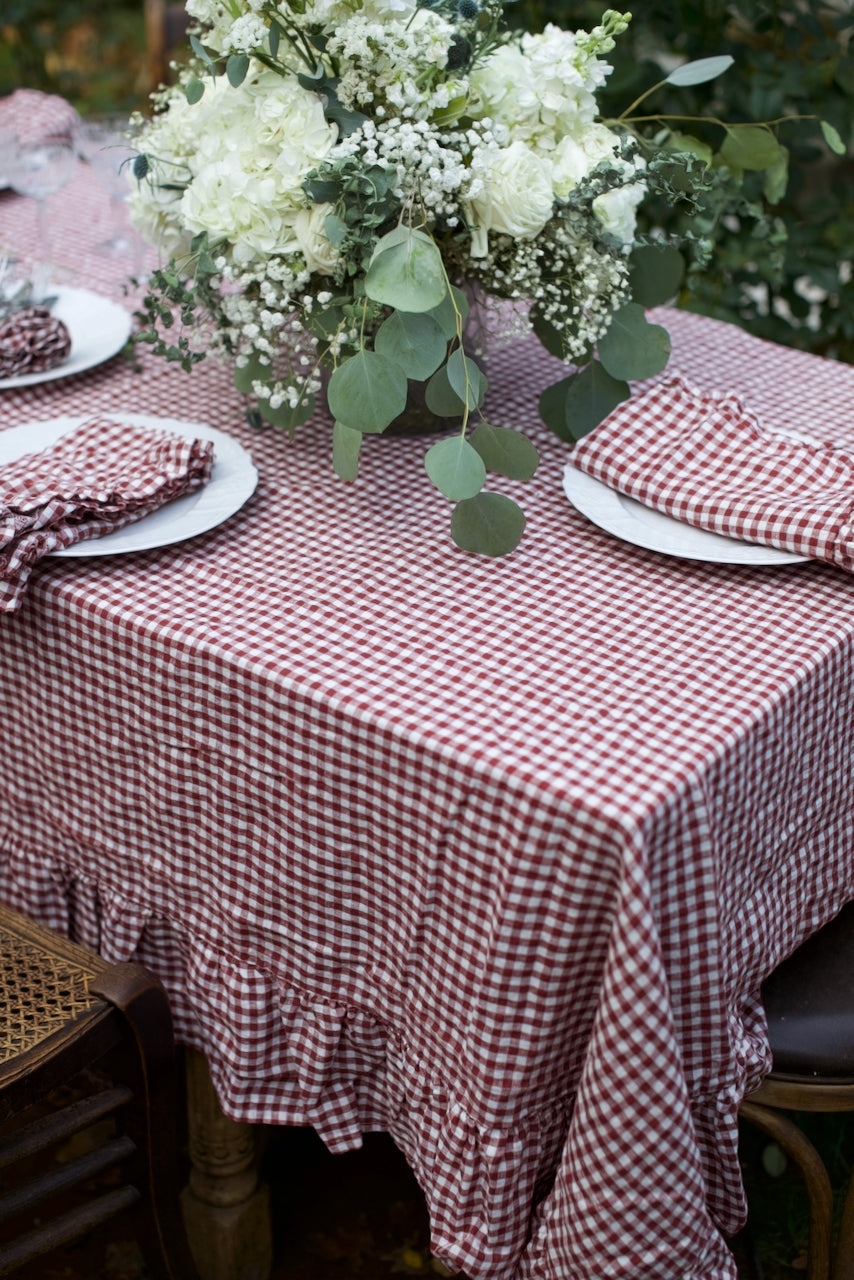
point(99, 328)
point(635, 523)
point(232, 482)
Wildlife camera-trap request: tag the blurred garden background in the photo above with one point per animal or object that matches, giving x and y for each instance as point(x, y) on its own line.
point(781, 260)
point(780, 264)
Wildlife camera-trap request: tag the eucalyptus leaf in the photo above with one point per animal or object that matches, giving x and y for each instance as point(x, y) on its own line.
point(552, 407)
point(346, 443)
point(489, 524)
point(440, 396)
point(193, 90)
point(413, 340)
point(505, 451)
point(348, 121)
point(236, 68)
point(273, 38)
point(335, 229)
point(398, 235)
point(749, 146)
point(700, 71)
point(832, 137)
point(777, 178)
point(466, 379)
point(591, 395)
point(367, 392)
point(577, 404)
point(551, 339)
point(200, 51)
point(632, 348)
point(286, 417)
point(409, 276)
point(455, 468)
point(686, 142)
point(253, 371)
point(446, 315)
point(655, 274)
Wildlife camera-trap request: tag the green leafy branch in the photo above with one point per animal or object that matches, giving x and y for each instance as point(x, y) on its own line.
point(422, 339)
point(178, 292)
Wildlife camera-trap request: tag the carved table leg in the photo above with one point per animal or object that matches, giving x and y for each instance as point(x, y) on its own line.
point(226, 1207)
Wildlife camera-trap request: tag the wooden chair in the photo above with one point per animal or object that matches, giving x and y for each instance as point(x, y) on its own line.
point(166, 25)
point(100, 1034)
point(809, 1002)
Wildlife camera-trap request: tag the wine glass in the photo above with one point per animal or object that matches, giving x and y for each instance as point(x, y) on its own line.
point(106, 142)
point(37, 167)
point(8, 147)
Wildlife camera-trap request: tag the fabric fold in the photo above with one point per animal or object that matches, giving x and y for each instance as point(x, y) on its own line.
point(705, 460)
point(97, 478)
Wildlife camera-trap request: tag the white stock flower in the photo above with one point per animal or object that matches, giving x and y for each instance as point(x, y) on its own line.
point(516, 198)
point(543, 88)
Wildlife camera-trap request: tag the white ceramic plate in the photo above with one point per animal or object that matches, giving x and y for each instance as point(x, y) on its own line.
point(232, 482)
point(98, 326)
point(635, 523)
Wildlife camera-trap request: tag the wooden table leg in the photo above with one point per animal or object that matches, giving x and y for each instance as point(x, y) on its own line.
point(226, 1206)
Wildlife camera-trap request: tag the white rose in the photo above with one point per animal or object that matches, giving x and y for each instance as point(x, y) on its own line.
point(320, 253)
point(516, 198)
point(617, 210)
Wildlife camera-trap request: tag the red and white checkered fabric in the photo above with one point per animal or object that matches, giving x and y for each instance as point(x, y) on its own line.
point(31, 114)
point(32, 341)
point(708, 461)
point(492, 855)
point(95, 479)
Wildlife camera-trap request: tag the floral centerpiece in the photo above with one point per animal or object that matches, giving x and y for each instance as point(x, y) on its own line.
point(331, 179)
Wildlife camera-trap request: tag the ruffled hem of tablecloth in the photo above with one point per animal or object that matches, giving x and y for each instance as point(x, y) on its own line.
point(322, 1064)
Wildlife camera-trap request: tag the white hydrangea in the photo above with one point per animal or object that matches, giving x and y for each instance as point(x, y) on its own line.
point(247, 154)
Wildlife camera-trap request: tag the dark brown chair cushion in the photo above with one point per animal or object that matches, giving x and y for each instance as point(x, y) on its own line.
point(809, 1002)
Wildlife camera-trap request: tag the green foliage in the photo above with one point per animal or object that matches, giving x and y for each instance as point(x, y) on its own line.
point(632, 348)
point(489, 524)
point(74, 48)
point(775, 254)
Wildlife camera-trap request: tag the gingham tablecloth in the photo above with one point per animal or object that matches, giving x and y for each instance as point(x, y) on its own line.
point(491, 855)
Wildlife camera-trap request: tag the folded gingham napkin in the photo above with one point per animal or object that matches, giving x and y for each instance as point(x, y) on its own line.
point(96, 478)
point(706, 460)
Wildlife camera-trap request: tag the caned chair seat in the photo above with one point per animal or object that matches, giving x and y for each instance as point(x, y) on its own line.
point(86, 1053)
point(809, 1003)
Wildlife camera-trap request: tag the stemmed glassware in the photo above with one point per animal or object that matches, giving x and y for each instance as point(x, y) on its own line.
point(38, 166)
point(106, 143)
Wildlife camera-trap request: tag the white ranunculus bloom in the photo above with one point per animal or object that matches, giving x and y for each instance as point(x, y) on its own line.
point(319, 252)
point(516, 198)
